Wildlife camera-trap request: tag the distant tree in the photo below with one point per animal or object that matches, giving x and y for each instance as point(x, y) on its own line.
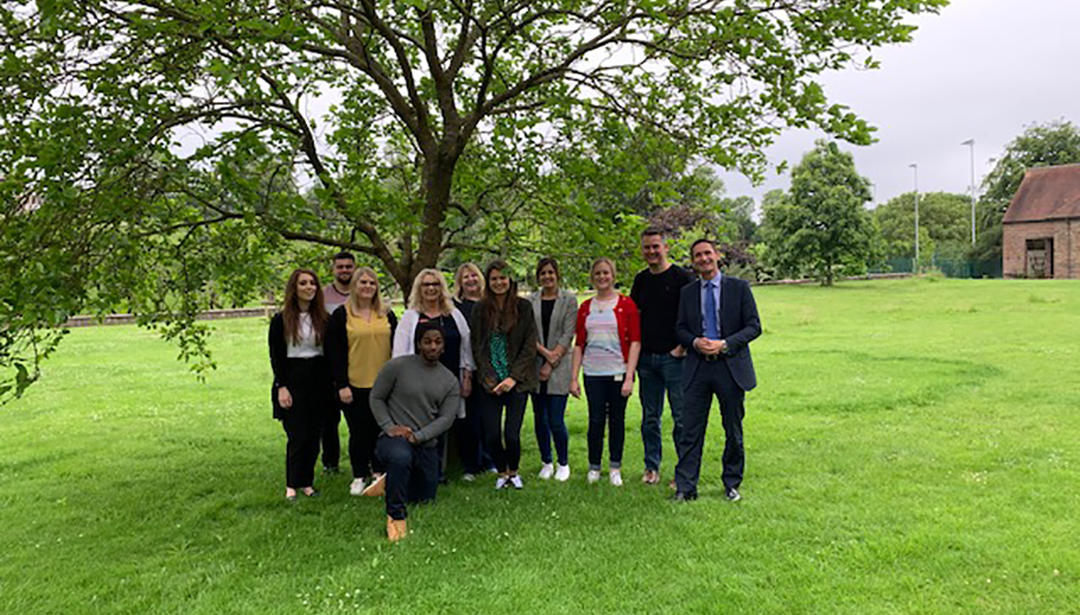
point(945, 219)
point(821, 228)
point(1040, 145)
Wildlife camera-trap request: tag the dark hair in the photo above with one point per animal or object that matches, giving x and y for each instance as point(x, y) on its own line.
point(290, 311)
point(421, 329)
point(700, 241)
point(499, 318)
point(544, 262)
point(344, 256)
point(653, 230)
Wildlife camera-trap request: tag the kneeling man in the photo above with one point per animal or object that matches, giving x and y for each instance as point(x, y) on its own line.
point(414, 400)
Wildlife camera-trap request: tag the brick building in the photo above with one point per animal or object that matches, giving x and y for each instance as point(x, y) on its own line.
point(1041, 228)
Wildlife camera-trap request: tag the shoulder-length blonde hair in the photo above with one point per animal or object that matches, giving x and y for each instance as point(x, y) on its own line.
point(460, 273)
point(354, 297)
point(446, 305)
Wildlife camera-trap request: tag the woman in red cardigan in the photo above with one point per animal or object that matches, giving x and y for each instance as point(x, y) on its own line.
point(607, 348)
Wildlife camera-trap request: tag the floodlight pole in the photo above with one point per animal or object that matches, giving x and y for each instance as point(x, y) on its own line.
point(971, 143)
point(915, 167)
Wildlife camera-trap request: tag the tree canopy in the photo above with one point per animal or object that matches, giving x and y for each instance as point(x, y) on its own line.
point(1040, 145)
point(821, 227)
point(944, 217)
point(158, 152)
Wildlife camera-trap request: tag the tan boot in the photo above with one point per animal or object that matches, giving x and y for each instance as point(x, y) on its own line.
point(395, 529)
point(377, 488)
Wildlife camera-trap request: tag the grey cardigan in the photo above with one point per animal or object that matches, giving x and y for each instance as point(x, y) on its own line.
point(561, 331)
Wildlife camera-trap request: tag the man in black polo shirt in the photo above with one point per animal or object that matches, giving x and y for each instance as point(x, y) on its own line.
point(656, 294)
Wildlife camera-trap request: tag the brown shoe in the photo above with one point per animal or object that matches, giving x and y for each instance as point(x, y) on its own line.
point(650, 477)
point(395, 529)
point(377, 488)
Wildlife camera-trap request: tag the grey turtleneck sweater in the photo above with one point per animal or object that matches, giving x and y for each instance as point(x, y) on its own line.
point(408, 391)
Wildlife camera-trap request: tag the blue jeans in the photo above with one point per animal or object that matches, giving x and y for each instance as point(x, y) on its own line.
point(657, 372)
point(549, 421)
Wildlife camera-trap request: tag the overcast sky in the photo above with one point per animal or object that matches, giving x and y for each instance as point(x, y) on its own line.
point(981, 69)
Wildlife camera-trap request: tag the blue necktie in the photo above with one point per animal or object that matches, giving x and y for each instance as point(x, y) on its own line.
point(712, 330)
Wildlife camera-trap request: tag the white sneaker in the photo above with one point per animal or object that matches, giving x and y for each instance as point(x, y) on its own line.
point(616, 478)
point(515, 480)
point(468, 477)
point(357, 487)
point(546, 471)
point(502, 482)
point(593, 476)
point(562, 473)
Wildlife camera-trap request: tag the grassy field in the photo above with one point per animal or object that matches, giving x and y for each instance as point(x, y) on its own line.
point(913, 448)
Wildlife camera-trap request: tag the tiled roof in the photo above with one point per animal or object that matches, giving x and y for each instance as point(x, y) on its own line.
point(1047, 193)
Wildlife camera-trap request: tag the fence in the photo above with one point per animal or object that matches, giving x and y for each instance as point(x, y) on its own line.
point(952, 268)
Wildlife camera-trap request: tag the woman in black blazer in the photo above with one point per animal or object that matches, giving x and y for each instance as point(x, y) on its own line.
point(301, 391)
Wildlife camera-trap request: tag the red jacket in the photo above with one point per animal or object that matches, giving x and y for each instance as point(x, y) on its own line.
point(627, 319)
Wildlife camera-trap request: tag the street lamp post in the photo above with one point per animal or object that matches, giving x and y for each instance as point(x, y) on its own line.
point(915, 166)
point(971, 144)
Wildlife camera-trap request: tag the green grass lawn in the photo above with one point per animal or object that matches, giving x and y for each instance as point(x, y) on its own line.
point(914, 447)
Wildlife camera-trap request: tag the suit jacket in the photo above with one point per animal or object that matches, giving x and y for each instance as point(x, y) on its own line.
point(739, 325)
point(560, 331)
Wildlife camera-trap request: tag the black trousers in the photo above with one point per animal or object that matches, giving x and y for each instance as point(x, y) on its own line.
point(412, 473)
point(606, 405)
point(309, 386)
point(469, 433)
point(363, 432)
point(503, 439)
point(331, 444)
point(710, 379)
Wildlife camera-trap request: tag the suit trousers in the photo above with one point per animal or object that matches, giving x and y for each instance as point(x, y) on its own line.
point(310, 389)
point(412, 473)
point(331, 444)
point(710, 379)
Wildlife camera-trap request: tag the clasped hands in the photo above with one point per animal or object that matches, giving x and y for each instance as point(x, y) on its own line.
point(706, 346)
point(402, 431)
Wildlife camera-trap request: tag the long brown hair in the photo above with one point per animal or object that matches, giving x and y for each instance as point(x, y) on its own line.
point(499, 319)
point(290, 312)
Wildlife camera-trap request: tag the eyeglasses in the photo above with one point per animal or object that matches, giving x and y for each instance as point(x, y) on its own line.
point(430, 284)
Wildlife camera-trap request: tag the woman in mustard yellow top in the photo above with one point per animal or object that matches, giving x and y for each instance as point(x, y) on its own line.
point(358, 343)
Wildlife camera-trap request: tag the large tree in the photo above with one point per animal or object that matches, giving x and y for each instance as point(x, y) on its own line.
point(822, 228)
point(153, 149)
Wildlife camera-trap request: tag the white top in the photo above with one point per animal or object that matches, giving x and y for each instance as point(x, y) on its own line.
point(603, 353)
point(307, 347)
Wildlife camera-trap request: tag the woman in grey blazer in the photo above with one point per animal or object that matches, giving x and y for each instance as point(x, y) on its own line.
point(555, 311)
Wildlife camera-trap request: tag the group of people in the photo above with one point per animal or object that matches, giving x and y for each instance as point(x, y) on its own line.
point(463, 366)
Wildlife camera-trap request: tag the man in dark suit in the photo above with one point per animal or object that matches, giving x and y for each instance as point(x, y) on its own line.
point(717, 321)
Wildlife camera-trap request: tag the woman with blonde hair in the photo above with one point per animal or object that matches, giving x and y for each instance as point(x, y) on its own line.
point(301, 392)
point(358, 344)
point(607, 347)
point(430, 301)
point(468, 288)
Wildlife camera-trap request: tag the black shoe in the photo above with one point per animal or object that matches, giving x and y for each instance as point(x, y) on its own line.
point(314, 493)
point(683, 496)
point(733, 494)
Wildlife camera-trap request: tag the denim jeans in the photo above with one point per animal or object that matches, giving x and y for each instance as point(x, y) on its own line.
point(549, 421)
point(606, 404)
point(412, 473)
point(657, 372)
point(504, 439)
